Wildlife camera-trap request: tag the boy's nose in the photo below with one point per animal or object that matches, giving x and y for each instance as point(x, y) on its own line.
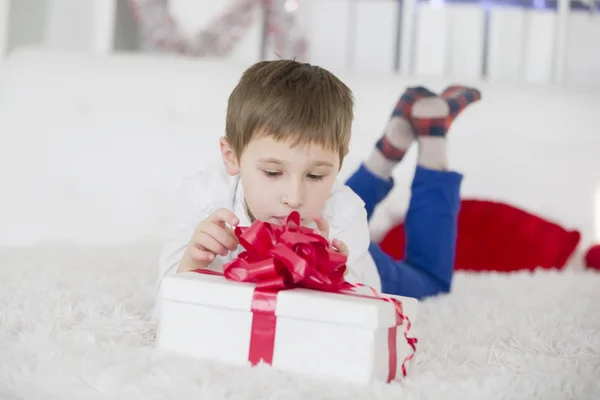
point(294, 197)
point(293, 201)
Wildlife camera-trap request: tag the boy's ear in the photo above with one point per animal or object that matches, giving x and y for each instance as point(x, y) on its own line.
point(230, 160)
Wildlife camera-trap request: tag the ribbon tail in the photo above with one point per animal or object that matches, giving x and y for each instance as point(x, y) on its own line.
point(401, 318)
point(412, 342)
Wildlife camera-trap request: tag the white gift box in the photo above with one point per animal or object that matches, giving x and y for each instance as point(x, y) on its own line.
point(328, 335)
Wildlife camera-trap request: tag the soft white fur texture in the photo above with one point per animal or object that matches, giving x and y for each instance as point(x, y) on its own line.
point(75, 325)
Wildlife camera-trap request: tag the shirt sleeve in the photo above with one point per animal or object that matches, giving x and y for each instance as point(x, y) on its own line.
point(187, 208)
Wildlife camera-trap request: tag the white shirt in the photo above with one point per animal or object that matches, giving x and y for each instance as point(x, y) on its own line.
point(211, 189)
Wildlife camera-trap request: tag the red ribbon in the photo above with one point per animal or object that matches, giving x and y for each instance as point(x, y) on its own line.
point(279, 257)
point(286, 256)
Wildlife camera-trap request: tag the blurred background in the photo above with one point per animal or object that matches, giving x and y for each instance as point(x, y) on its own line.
point(104, 104)
point(533, 41)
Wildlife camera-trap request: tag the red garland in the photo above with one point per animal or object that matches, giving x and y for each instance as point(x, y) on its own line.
point(224, 32)
point(287, 256)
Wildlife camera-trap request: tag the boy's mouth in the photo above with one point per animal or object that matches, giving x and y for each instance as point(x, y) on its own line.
point(279, 220)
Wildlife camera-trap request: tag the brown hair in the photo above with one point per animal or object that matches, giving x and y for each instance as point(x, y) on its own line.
point(288, 100)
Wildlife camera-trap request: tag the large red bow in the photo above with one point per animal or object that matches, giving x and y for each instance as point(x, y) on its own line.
point(285, 256)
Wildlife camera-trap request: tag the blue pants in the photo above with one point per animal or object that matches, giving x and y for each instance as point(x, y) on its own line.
point(431, 227)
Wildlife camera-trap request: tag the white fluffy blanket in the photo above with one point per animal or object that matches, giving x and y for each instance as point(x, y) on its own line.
point(74, 323)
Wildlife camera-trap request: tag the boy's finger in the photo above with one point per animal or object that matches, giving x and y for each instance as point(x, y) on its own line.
point(223, 235)
point(231, 233)
point(207, 242)
point(341, 247)
point(322, 225)
point(199, 255)
point(225, 215)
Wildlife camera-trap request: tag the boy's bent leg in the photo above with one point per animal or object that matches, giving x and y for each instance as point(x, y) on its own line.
point(431, 228)
point(432, 217)
point(402, 279)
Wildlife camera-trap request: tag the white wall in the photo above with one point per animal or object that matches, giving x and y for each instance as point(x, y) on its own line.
point(25, 23)
point(70, 25)
point(583, 50)
point(438, 41)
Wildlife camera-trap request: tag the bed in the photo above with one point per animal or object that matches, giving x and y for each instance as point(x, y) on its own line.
point(80, 225)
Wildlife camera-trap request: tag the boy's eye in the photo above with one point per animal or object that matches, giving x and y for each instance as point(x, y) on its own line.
point(272, 174)
point(315, 177)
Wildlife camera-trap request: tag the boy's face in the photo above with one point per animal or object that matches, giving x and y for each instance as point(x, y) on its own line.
point(279, 179)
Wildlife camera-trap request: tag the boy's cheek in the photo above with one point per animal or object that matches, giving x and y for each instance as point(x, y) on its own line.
point(260, 203)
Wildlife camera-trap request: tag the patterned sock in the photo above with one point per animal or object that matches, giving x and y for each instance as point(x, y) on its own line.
point(431, 119)
point(459, 97)
point(399, 134)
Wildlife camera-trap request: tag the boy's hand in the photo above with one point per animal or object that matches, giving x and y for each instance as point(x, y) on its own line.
point(323, 230)
point(212, 237)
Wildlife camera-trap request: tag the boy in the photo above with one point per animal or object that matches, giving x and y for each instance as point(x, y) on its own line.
point(287, 133)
